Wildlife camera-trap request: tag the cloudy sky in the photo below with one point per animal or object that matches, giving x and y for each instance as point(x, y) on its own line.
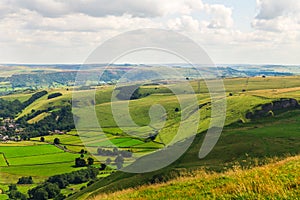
point(231, 31)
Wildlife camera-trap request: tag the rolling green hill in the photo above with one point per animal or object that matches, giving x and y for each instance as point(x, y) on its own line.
point(246, 142)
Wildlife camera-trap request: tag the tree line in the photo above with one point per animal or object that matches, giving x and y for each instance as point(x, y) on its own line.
point(51, 188)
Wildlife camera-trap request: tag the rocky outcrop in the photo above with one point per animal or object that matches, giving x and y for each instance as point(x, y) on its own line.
point(269, 108)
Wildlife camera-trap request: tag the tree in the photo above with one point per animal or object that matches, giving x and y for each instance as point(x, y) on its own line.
point(82, 151)
point(12, 187)
point(17, 195)
point(40, 194)
point(56, 141)
point(90, 161)
point(115, 151)
point(176, 109)
point(52, 190)
point(25, 180)
point(119, 165)
point(102, 167)
point(119, 161)
point(42, 139)
point(79, 162)
point(108, 161)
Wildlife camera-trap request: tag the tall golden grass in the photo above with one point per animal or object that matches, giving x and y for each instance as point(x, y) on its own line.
point(280, 180)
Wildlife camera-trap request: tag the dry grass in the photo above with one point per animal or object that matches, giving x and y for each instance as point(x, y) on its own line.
point(280, 180)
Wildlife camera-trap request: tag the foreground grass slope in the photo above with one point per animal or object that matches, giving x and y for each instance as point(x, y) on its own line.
point(280, 180)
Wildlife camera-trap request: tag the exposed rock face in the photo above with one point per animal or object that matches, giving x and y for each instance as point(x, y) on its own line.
point(267, 109)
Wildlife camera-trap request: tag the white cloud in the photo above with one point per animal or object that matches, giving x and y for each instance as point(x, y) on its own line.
point(68, 30)
point(185, 23)
point(270, 9)
point(100, 8)
point(277, 15)
point(221, 16)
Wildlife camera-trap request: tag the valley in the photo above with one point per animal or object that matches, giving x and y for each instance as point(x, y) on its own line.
point(244, 142)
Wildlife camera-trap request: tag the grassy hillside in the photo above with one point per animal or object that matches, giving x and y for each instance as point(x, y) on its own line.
point(279, 180)
point(243, 141)
point(243, 144)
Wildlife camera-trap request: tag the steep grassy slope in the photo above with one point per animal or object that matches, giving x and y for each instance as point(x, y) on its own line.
point(279, 180)
point(243, 144)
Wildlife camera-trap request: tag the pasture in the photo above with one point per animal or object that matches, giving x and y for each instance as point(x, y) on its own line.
point(38, 161)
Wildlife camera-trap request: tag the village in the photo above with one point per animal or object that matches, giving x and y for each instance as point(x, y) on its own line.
point(12, 131)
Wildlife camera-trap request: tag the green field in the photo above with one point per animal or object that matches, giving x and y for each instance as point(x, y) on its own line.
point(38, 161)
point(15, 151)
point(2, 161)
point(42, 159)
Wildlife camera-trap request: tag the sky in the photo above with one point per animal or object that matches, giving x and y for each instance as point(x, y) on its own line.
point(230, 31)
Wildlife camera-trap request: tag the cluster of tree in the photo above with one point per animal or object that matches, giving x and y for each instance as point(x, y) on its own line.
point(114, 152)
point(119, 161)
point(9, 109)
point(54, 95)
point(81, 162)
point(50, 189)
point(12, 108)
point(25, 180)
point(76, 177)
point(13, 193)
point(57, 120)
point(44, 191)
